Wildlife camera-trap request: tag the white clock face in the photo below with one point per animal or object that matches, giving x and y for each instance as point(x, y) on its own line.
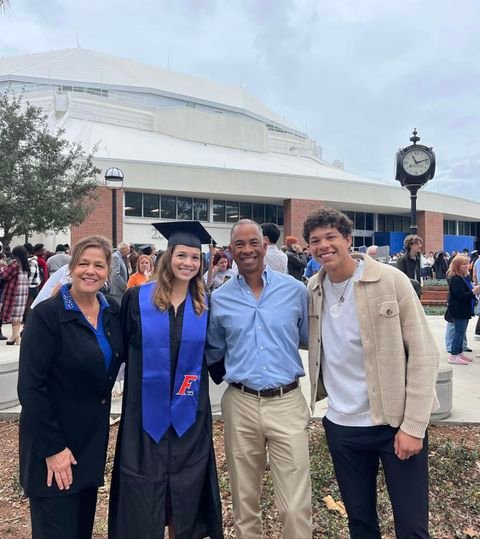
point(416, 162)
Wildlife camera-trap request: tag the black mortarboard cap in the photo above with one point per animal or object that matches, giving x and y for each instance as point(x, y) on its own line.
point(189, 233)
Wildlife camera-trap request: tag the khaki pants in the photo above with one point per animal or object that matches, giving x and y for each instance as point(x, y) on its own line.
point(280, 423)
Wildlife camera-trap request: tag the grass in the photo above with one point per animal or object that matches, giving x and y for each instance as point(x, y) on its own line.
point(435, 310)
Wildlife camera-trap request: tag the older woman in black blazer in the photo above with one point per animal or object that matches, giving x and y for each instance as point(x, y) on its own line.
point(70, 355)
point(461, 302)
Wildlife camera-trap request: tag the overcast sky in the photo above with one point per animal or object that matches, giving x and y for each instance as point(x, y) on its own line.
point(357, 75)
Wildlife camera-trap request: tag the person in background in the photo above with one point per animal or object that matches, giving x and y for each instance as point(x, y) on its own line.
point(297, 261)
point(132, 258)
point(144, 272)
point(15, 292)
point(473, 258)
point(33, 280)
point(219, 273)
point(428, 268)
point(440, 266)
point(164, 472)
point(53, 285)
point(476, 281)
point(409, 263)
point(275, 258)
point(70, 353)
point(372, 352)
point(313, 266)
point(39, 251)
point(460, 306)
point(119, 272)
point(59, 259)
point(452, 256)
point(3, 264)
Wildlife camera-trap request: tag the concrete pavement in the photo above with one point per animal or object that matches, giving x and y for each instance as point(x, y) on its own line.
point(466, 380)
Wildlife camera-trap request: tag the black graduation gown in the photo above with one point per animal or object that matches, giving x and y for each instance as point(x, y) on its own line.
point(180, 471)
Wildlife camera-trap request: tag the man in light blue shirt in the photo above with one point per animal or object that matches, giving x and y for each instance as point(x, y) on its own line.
point(257, 320)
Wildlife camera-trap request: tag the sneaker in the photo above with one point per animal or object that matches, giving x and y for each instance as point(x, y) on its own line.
point(466, 358)
point(457, 360)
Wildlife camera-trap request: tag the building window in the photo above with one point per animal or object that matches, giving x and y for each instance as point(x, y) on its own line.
point(219, 211)
point(133, 204)
point(270, 213)
point(245, 210)
point(232, 211)
point(184, 208)
point(168, 207)
point(450, 227)
point(280, 215)
point(397, 223)
point(359, 220)
point(258, 213)
point(381, 222)
point(465, 228)
point(369, 221)
point(151, 205)
point(200, 209)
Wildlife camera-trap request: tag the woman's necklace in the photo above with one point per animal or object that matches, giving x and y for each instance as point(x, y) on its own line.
point(91, 314)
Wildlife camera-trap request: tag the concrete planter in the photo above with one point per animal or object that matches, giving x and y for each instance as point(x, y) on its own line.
point(444, 388)
point(434, 295)
point(8, 379)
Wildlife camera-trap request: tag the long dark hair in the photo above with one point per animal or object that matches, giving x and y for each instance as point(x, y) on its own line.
point(20, 254)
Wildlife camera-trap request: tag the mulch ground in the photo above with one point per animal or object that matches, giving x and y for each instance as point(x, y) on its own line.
point(454, 489)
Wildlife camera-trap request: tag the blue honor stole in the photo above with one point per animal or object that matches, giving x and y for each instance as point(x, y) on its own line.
point(161, 407)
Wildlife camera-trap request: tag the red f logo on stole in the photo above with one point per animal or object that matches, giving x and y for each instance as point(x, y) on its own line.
point(188, 380)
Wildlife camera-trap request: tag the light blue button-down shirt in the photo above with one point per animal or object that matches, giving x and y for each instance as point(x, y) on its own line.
point(259, 338)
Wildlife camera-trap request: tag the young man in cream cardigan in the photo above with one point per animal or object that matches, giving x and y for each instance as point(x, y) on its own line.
point(371, 351)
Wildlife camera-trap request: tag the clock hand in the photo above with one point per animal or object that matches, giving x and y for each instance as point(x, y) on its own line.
point(422, 161)
point(413, 157)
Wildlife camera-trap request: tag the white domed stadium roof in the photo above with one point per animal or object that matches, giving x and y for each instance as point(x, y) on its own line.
point(84, 66)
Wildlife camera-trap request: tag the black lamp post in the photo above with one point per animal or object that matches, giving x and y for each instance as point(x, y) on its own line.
point(114, 182)
point(415, 166)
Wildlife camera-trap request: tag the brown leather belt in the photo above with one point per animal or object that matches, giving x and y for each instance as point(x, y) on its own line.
point(275, 392)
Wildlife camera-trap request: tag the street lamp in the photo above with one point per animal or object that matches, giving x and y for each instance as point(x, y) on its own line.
point(114, 182)
point(415, 166)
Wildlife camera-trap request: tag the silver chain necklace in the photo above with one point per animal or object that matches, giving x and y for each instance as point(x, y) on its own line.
point(336, 308)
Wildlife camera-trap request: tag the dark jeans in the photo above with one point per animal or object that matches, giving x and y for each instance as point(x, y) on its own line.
point(356, 454)
point(460, 330)
point(64, 517)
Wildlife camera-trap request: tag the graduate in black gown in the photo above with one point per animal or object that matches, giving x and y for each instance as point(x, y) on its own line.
point(164, 472)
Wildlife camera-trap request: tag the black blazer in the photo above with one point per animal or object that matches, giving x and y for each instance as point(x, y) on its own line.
point(459, 299)
point(65, 392)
